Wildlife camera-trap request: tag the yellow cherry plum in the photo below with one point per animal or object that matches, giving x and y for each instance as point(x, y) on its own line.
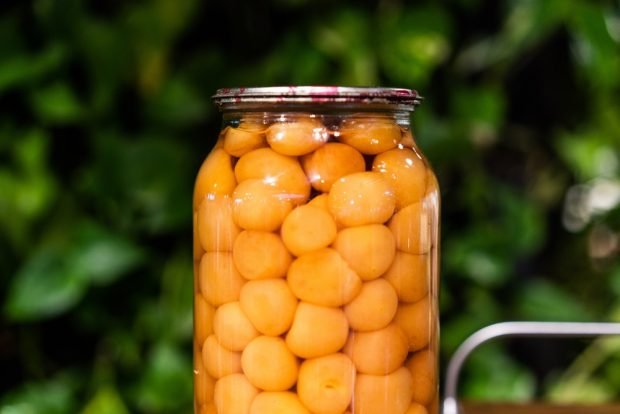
point(297, 137)
point(361, 198)
point(260, 255)
point(331, 162)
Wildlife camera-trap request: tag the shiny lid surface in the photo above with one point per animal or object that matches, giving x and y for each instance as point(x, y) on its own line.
point(317, 95)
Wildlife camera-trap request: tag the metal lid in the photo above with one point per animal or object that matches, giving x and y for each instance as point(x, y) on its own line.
point(317, 95)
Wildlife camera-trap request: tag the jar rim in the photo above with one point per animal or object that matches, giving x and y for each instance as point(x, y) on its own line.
point(404, 98)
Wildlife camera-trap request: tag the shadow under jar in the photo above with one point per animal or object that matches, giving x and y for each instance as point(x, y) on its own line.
point(316, 223)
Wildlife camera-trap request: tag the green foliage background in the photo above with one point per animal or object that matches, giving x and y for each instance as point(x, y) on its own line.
point(105, 115)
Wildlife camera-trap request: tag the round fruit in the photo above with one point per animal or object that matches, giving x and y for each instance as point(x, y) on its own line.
point(215, 225)
point(220, 281)
point(297, 137)
point(412, 229)
point(203, 319)
point(260, 255)
point(215, 177)
point(277, 403)
point(317, 331)
point(277, 170)
point(325, 384)
point(269, 304)
point(308, 228)
point(322, 277)
point(331, 162)
point(370, 135)
point(423, 368)
point(416, 321)
point(234, 394)
point(218, 360)
point(409, 275)
point(416, 408)
point(361, 198)
point(232, 327)
point(406, 172)
point(378, 352)
point(373, 308)
point(269, 364)
point(258, 205)
point(243, 139)
point(203, 382)
point(382, 394)
point(369, 250)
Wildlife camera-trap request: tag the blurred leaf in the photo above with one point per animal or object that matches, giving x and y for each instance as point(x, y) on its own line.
point(106, 401)
point(57, 104)
point(591, 391)
point(588, 155)
point(166, 382)
point(45, 286)
point(56, 396)
point(493, 376)
point(413, 42)
point(479, 309)
point(544, 301)
point(23, 69)
point(102, 256)
point(594, 47)
point(131, 186)
point(176, 104)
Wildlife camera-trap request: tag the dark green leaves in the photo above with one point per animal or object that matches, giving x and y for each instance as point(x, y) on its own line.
point(56, 277)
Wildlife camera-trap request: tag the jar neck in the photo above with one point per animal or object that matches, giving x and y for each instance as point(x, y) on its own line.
point(327, 114)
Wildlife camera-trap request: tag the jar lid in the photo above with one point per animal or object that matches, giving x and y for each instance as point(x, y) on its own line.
point(317, 95)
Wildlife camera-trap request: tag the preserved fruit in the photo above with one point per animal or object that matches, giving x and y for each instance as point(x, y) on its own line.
point(316, 225)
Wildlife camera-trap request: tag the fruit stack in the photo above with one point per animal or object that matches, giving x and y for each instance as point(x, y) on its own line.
point(315, 268)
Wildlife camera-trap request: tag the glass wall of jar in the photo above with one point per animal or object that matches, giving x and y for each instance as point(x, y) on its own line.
point(316, 223)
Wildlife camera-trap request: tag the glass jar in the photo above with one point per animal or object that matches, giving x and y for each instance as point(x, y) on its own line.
point(316, 243)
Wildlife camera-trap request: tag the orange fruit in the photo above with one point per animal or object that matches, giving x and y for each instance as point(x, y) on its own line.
point(297, 137)
point(322, 277)
point(378, 352)
point(373, 308)
point(406, 171)
point(325, 384)
point(409, 275)
point(215, 225)
point(247, 137)
point(370, 135)
point(317, 331)
point(423, 368)
point(320, 201)
point(218, 360)
point(215, 177)
point(258, 205)
point(331, 162)
point(234, 394)
point(269, 304)
point(198, 250)
point(382, 394)
point(203, 382)
point(220, 281)
point(232, 327)
point(416, 408)
point(260, 255)
point(416, 321)
point(277, 402)
point(278, 170)
point(361, 198)
point(269, 364)
point(369, 250)
point(203, 319)
point(308, 228)
point(412, 229)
